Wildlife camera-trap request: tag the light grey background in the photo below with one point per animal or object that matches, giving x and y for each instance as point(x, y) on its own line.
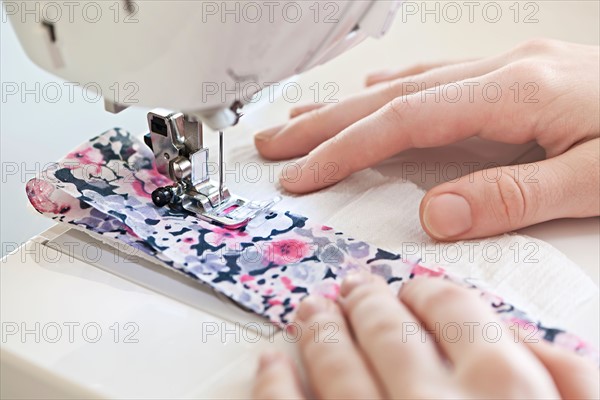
point(35, 133)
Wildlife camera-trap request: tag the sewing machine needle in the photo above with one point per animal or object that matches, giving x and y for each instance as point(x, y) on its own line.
point(221, 180)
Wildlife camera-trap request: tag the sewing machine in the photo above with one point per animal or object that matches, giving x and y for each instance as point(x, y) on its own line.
point(165, 337)
point(214, 58)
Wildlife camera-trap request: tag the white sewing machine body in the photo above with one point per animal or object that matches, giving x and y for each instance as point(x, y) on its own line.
point(82, 319)
point(198, 57)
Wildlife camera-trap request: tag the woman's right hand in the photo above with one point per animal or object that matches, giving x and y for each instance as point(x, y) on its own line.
point(542, 90)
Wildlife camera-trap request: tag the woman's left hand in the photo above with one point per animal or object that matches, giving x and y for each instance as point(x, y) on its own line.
point(384, 347)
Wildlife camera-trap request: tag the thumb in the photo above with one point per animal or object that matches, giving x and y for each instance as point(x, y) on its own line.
point(500, 200)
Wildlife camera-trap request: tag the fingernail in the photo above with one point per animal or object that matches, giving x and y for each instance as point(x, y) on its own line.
point(447, 215)
point(266, 359)
point(408, 283)
point(353, 280)
point(379, 75)
point(301, 161)
point(296, 111)
point(311, 306)
point(292, 329)
point(266, 134)
point(411, 286)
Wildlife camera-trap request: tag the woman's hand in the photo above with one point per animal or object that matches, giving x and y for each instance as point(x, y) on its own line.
point(543, 90)
point(386, 347)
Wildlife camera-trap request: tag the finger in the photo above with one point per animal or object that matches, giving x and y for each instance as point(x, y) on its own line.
point(503, 199)
point(276, 379)
point(574, 376)
point(464, 327)
point(479, 346)
point(335, 366)
point(390, 336)
point(267, 134)
point(416, 120)
point(392, 74)
point(307, 131)
point(445, 309)
point(297, 111)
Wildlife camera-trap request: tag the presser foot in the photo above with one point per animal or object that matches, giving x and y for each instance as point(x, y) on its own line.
point(231, 212)
point(177, 143)
point(208, 204)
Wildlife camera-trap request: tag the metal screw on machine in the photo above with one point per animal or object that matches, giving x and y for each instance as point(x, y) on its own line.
point(177, 144)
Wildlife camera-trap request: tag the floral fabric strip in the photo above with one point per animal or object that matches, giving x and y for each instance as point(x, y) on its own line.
point(105, 186)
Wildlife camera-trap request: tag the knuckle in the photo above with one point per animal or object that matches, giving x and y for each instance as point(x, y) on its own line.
point(417, 69)
point(536, 46)
point(478, 364)
point(404, 109)
point(535, 71)
point(320, 324)
point(420, 67)
point(358, 296)
point(332, 366)
point(340, 166)
point(317, 114)
point(397, 108)
point(402, 87)
point(445, 295)
point(362, 294)
point(382, 327)
point(420, 391)
point(396, 111)
point(306, 120)
point(510, 205)
point(504, 368)
point(324, 358)
point(390, 89)
point(369, 311)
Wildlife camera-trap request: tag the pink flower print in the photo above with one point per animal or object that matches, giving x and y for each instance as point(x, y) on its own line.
point(231, 236)
point(145, 181)
point(419, 270)
point(282, 252)
point(84, 158)
point(569, 341)
point(329, 289)
point(524, 330)
point(287, 282)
